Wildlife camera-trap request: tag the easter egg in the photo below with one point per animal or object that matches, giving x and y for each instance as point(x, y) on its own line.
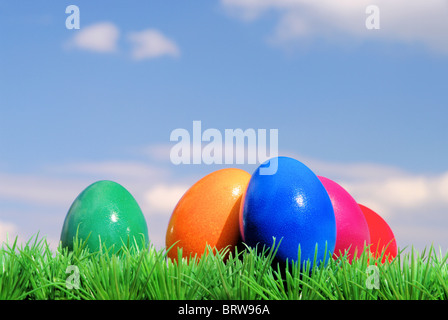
point(105, 213)
point(381, 236)
point(352, 231)
point(291, 206)
point(207, 214)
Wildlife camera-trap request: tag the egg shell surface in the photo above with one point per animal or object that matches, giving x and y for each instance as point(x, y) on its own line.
point(208, 214)
point(381, 235)
point(352, 230)
point(105, 212)
point(293, 206)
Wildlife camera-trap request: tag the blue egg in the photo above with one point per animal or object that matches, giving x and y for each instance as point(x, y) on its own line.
point(292, 205)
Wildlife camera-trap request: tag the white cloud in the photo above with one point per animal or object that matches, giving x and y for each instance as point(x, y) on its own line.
point(151, 43)
point(165, 197)
point(387, 188)
point(159, 152)
point(100, 37)
point(350, 171)
point(59, 185)
point(37, 189)
point(112, 169)
point(423, 21)
point(374, 175)
point(442, 187)
point(103, 37)
point(392, 194)
point(8, 231)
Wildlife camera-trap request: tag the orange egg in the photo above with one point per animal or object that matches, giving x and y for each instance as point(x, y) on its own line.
point(208, 213)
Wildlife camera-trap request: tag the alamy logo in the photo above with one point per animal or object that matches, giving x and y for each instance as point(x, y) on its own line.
point(373, 277)
point(228, 150)
point(72, 281)
point(373, 20)
point(72, 21)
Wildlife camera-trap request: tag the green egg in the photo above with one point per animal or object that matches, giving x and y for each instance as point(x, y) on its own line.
point(105, 212)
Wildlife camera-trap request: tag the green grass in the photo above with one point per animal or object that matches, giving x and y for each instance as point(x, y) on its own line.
point(33, 271)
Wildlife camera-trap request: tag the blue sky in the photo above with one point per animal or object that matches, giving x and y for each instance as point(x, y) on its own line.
point(367, 108)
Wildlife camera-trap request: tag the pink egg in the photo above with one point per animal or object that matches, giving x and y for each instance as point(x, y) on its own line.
point(352, 230)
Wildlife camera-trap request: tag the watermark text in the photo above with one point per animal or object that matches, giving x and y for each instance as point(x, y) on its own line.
point(237, 146)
